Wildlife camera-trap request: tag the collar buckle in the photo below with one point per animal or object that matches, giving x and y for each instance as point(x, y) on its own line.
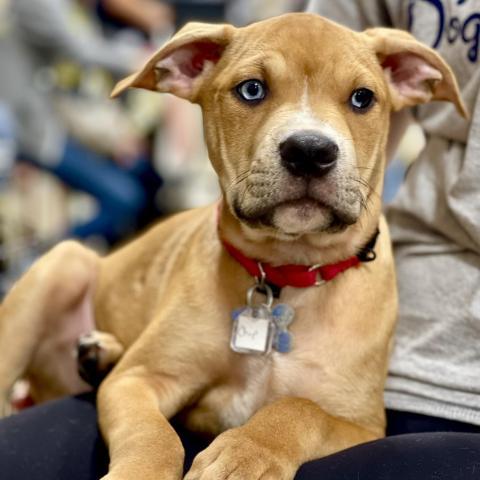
point(263, 276)
point(320, 281)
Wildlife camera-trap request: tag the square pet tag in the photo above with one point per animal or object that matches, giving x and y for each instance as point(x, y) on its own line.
point(253, 330)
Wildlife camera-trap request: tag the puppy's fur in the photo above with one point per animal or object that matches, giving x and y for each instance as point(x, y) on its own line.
point(167, 297)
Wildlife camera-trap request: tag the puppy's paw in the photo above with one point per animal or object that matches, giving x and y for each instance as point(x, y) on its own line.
point(235, 455)
point(148, 475)
point(97, 353)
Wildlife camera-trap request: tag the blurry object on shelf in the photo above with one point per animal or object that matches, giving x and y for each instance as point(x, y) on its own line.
point(243, 12)
point(38, 204)
point(101, 125)
point(408, 150)
point(181, 158)
point(32, 213)
point(412, 144)
point(145, 109)
point(5, 21)
point(8, 141)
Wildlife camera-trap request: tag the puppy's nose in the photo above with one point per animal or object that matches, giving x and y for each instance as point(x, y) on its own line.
point(308, 154)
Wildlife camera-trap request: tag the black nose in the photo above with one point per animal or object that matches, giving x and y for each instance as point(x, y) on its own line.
point(308, 154)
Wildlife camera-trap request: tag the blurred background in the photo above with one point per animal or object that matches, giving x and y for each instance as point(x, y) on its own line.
point(75, 164)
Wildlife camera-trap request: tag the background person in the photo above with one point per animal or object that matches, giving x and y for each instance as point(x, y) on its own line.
point(40, 33)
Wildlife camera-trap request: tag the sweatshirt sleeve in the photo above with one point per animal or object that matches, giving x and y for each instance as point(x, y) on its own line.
point(356, 14)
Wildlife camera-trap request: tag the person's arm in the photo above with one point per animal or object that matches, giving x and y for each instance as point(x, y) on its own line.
point(356, 14)
point(150, 16)
point(47, 23)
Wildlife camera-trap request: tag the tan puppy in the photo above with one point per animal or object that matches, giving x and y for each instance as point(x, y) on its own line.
point(296, 116)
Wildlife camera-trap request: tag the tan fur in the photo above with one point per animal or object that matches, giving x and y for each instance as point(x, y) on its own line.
point(167, 297)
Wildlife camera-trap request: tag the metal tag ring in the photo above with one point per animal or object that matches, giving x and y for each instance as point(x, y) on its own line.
point(264, 290)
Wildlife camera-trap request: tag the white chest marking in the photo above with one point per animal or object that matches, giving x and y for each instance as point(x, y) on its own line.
point(251, 396)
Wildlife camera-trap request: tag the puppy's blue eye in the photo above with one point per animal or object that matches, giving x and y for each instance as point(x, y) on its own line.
point(252, 90)
point(362, 99)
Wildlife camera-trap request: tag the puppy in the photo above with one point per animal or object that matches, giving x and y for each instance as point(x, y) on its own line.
point(296, 115)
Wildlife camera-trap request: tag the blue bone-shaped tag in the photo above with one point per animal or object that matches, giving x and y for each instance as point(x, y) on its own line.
point(236, 313)
point(283, 316)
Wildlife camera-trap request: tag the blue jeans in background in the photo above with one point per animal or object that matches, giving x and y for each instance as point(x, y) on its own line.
point(125, 195)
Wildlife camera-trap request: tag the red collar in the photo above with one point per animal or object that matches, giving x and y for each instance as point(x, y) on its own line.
point(300, 276)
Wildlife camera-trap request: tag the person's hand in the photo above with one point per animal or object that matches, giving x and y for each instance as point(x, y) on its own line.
point(151, 16)
point(128, 150)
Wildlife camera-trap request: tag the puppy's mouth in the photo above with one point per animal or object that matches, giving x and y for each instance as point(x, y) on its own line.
point(304, 207)
point(295, 216)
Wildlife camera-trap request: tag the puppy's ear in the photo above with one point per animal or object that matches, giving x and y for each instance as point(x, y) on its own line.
point(415, 73)
point(178, 67)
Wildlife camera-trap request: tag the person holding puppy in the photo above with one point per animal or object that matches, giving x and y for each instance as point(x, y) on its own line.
point(435, 225)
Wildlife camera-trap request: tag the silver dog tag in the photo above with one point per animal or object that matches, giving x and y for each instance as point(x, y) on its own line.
point(253, 330)
point(253, 326)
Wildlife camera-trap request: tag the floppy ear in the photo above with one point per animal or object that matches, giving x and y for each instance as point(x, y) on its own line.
point(415, 73)
point(178, 67)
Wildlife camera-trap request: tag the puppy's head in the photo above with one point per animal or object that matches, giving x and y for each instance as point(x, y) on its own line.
point(296, 112)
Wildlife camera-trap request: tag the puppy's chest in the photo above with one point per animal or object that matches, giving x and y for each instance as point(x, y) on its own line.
point(265, 379)
point(255, 380)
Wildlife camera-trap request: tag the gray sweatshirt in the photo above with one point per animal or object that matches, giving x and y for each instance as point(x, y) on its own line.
point(435, 219)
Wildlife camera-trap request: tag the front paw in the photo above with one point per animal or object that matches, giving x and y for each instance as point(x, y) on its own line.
point(139, 475)
point(235, 455)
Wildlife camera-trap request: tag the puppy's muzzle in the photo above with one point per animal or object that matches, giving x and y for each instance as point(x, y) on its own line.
point(307, 153)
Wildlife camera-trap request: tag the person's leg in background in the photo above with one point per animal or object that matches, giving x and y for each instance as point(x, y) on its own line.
point(416, 456)
point(145, 174)
point(417, 447)
point(61, 440)
point(58, 440)
point(125, 195)
point(399, 423)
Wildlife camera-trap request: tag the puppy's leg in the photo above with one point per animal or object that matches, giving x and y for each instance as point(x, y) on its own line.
point(275, 442)
point(55, 286)
point(133, 408)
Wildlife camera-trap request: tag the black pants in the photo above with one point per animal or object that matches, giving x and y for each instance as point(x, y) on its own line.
point(60, 441)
